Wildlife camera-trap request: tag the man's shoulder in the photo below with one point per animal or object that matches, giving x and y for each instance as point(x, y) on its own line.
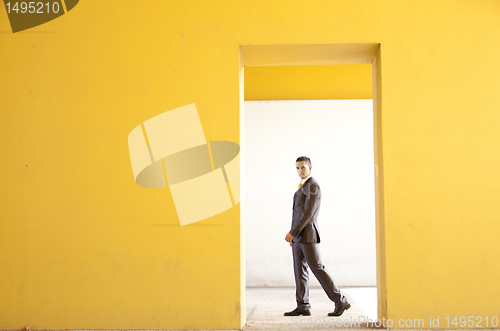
point(312, 182)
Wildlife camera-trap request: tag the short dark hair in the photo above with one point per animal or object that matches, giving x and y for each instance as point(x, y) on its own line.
point(304, 158)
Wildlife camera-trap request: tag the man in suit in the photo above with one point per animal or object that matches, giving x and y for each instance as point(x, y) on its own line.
point(304, 239)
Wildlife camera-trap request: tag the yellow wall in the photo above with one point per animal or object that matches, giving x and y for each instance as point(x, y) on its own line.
point(313, 82)
point(82, 246)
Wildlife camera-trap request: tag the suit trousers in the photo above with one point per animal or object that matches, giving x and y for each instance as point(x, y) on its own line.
point(307, 254)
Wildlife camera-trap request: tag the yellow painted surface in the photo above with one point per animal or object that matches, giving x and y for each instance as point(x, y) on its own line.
point(318, 54)
point(379, 187)
point(242, 273)
point(308, 82)
point(82, 246)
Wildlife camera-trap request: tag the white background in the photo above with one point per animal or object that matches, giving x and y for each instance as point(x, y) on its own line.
point(337, 135)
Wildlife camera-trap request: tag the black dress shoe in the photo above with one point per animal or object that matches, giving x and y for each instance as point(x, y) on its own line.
point(298, 311)
point(339, 308)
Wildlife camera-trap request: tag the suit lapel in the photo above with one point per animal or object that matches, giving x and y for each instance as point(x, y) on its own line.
point(305, 183)
point(302, 187)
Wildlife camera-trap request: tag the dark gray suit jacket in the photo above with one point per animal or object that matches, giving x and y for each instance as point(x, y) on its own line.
point(306, 203)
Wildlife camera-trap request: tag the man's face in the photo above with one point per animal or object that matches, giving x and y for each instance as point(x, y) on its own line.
point(303, 169)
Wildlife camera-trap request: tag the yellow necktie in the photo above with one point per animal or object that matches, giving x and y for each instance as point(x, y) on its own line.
point(300, 184)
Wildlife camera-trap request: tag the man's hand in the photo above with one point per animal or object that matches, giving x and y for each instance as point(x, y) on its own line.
point(288, 238)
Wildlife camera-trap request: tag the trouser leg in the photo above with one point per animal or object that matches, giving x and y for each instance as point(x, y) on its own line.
point(312, 256)
point(301, 277)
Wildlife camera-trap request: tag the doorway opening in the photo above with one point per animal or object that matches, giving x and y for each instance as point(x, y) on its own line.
point(342, 138)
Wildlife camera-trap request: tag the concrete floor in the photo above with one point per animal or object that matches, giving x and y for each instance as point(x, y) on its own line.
point(265, 308)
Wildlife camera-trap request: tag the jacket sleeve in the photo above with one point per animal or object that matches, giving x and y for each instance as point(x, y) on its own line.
point(311, 204)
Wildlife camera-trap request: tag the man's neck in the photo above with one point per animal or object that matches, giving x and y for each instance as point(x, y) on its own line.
point(304, 180)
